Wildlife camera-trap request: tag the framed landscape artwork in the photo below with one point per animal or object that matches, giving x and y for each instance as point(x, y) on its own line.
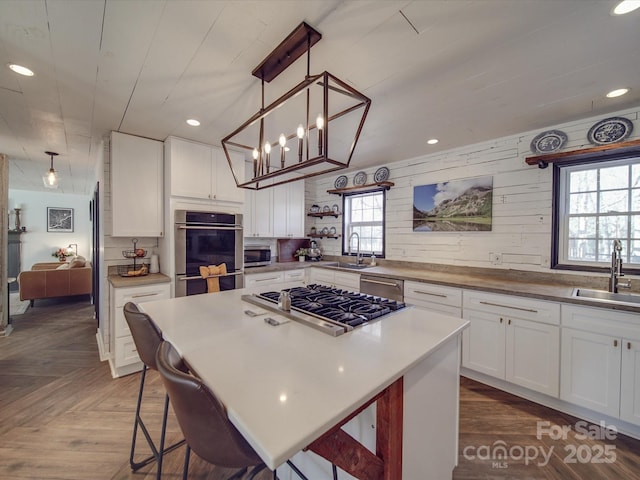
point(454, 206)
point(59, 219)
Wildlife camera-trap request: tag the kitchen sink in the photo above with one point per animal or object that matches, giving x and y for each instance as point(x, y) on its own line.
point(608, 297)
point(354, 266)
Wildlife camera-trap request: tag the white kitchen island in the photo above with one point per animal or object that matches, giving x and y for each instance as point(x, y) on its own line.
point(286, 388)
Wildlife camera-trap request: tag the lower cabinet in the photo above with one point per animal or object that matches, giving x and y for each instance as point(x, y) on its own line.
point(335, 278)
point(268, 279)
point(434, 298)
point(124, 357)
point(514, 339)
point(601, 361)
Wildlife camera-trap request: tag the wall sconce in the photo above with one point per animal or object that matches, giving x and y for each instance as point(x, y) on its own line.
point(323, 113)
point(73, 247)
point(50, 179)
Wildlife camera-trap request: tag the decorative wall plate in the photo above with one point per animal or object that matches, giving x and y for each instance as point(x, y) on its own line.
point(360, 178)
point(548, 142)
point(610, 130)
point(325, 231)
point(332, 231)
point(341, 181)
point(335, 208)
point(326, 209)
point(314, 209)
point(381, 175)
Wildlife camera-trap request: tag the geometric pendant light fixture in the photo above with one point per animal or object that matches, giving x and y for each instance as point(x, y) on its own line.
point(309, 130)
point(50, 179)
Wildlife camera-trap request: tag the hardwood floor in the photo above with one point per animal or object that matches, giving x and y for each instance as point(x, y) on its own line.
point(62, 416)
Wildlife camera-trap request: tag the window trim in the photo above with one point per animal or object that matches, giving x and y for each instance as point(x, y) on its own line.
point(557, 203)
point(384, 222)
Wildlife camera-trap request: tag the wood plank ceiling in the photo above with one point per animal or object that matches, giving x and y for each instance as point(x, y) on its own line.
point(461, 71)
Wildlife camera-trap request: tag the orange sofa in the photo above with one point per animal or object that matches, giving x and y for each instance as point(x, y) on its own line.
point(47, 280)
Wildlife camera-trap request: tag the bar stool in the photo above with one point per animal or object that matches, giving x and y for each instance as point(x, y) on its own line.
point(147, 339)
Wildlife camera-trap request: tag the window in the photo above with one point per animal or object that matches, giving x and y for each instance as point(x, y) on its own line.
point(364, 216)
point(596, 203)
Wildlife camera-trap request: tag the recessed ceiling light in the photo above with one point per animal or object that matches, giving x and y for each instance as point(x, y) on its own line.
point(193, 122)
point(617, 93)
point(21, 70)
point(625, 6)
point(432, 141)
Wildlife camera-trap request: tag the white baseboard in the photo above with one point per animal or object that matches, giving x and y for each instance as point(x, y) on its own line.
point(101, 351)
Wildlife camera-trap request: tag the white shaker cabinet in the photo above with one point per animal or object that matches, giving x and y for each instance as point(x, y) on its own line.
point(197, 170)
point(136, 186)
point(258, 213)
point(288, 210)
point(434, 298)
point(269, 279)
point(513, 338)
point(125, 359)
point(601, 361)
point(335, 278)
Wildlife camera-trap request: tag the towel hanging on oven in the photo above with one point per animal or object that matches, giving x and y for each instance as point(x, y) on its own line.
point(208, 272)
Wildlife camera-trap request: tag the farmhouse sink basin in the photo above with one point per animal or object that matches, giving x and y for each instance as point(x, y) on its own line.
point(607, 297)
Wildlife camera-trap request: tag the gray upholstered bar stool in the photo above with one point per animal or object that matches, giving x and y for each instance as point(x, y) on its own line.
point(204, 421)
point(147, 339)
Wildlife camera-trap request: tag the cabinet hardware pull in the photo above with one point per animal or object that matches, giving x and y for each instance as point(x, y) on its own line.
point(145, 295)
point(509, 322)
point(199, 277)
point(508, 306)
point(388, 284)
point(429, 293)
point(500, 319)
point(218, 227)
point(628, 345)
point(615, 343)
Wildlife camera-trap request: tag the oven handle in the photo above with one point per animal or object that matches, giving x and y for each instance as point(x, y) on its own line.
point(378, 282)
point(194, 227)
point(199, 277)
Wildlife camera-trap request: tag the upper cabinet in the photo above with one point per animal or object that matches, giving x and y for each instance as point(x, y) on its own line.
point(288, 210)
point(197, 170)
point(136, 186)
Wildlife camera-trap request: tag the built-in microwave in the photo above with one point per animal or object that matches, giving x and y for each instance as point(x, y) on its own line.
point(257, 255)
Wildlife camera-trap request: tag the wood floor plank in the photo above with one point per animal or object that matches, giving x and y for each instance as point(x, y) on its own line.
point(62, 416)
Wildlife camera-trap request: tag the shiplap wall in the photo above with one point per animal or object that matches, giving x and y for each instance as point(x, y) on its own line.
point(522, 202)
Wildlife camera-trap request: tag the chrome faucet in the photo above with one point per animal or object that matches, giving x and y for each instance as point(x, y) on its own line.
point(616, 268)
point(358, 259)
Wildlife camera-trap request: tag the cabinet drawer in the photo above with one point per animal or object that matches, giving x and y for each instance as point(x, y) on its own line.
point(325, 277)
point(350, 281)
point(143, 293)
point(512, 306)
point(257, 279)
point(601, 320)
point(125, 352)
point(417, 292)
point(294, 275)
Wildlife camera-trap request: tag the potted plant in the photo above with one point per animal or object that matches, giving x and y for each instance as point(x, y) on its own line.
point(301, 253)
point(61, 254)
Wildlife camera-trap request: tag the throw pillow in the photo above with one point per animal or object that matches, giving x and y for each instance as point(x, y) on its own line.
point(64, 266)
point(78, 262)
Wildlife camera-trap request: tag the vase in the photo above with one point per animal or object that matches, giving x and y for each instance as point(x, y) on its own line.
point(301, 258)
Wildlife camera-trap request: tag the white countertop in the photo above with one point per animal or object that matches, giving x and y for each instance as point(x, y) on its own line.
point(284, 386)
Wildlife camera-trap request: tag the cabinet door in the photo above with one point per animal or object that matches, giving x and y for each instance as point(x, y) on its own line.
point(191, 168)
point(288, 210)
point(136, 186)
point(262, 213)
point(590, 371)
point(224, 184)
point(533, 355)
point(630, 378)
point(484, 343)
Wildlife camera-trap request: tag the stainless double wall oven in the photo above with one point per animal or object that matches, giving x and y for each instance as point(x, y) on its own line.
point(203, 239)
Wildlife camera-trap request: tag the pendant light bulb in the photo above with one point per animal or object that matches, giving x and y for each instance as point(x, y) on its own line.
point(282, 140)
point(267, 148)
point(320, 122)
point(300, 132)
point(50, 178)
point(255, 153)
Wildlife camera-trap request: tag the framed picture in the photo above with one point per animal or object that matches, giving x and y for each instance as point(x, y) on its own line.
point(59, 219)
point(454, 206)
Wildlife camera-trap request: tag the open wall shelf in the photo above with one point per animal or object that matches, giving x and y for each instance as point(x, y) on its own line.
point(370, 187)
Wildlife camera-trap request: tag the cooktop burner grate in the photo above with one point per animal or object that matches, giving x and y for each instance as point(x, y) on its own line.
point(341, 306)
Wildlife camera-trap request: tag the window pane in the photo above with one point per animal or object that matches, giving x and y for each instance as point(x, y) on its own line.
point(583, 181)
point(612, 227)
point(582, 250)
point(614, 177)
point(614, 201)
point(635, 175)
point(583, 203)
point(582, 227)
point(364, 215)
